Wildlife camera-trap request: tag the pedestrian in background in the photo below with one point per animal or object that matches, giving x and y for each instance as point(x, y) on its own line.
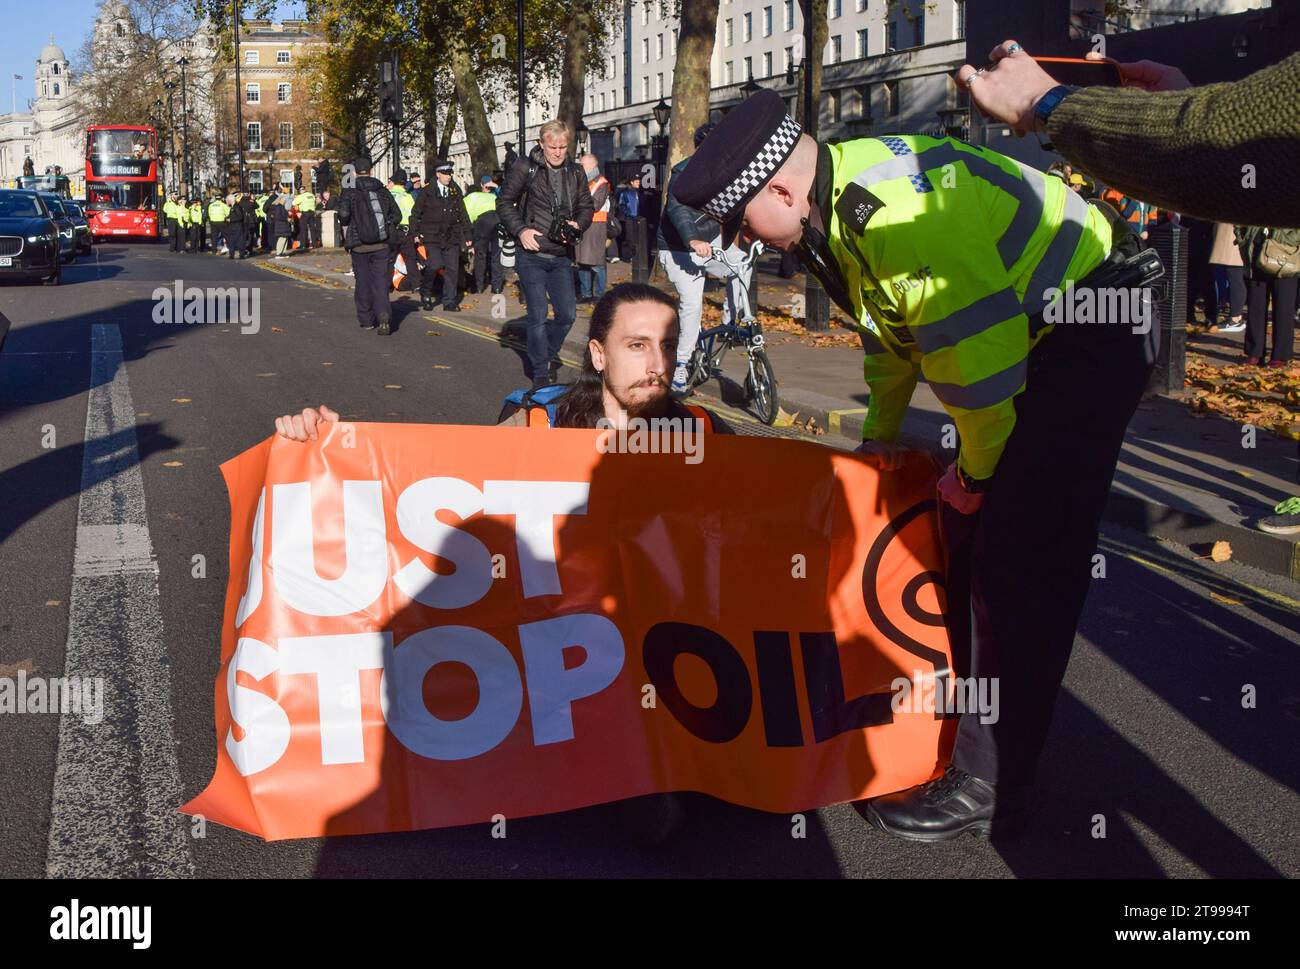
point(1268, 281)
point(590, 252)
point(629, 207)
point(370, 218)
point(281, 224)
point(1227, 274)
point(235, 243)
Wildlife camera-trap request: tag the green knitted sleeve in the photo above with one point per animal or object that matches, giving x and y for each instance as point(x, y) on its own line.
point(1224, 152)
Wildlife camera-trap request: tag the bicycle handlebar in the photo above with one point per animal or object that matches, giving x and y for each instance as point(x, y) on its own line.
point(747, 259)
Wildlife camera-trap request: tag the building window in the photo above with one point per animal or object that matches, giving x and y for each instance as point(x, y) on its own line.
point(837, 48)
point(252, 57)
point(659, 47)
point(788, 66)
point(893, 98)
point(767, 21)
point(317, 135)
point(645, 50)
point(836, 10)
point(728, 73)
point(56, 67)
point(864, 102)
point(645, 88)
point(788, 16)
point(659, 85)
point(748, 33)
point(961, 19)
point(919, 32)
point(749, 68)
point(286, 136)
point(254, 136)
point(255, 180)
point(286, 176)
point(891, 36)
point(56, 88)
point(861, 6)
point(119, 29)
point(602, 101)
point(674, 43)
point(727, 32)
point(645, 14)
point(252, 93)
point(282, 57)
point(284, 93)
point(767, 64)
point(835, 98)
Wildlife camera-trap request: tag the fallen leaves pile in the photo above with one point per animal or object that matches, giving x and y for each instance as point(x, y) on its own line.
point(1268, 399)
point(840, 333)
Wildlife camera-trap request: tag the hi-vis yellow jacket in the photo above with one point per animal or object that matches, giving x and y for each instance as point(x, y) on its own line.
point(946, 249)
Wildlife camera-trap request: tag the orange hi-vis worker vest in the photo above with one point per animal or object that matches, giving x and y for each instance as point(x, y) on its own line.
point(603, 214)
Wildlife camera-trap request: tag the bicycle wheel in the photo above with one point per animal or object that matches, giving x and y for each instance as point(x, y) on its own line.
point(760, 387)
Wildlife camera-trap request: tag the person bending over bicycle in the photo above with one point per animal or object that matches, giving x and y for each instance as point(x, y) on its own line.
point(685, 241)
point(625, 370)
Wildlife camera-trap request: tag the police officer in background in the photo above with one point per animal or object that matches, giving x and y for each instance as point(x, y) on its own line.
point(235, 243)
point(172, 210)
point(947, 256)
point(440, 222)
point(305, 201)
point(405, 243)
point(481, 206)
point(370, 218)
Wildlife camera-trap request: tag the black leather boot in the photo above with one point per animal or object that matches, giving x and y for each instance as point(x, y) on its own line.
point(947, 808)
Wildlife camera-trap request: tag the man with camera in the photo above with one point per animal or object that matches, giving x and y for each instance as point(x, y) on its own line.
point(546, 204)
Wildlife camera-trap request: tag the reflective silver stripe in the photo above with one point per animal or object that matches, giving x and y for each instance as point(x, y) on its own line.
point(1056, 260)
point(1029, 190)
point(967, 321)
point(983, 393)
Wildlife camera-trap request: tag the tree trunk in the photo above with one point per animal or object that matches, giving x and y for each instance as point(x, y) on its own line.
point(430, 141)
point(573, 76)
point(444, 146)
point(699, 24)
point(469, 97)
point(821, 30)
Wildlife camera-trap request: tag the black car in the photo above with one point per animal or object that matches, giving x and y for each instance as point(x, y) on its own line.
point(82, 226)
point(29, 238)
point(67, 228)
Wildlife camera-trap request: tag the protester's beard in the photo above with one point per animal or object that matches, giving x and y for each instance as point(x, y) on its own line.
point(651, 396)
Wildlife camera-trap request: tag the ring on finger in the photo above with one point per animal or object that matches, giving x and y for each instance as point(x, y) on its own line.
point(1013, 47)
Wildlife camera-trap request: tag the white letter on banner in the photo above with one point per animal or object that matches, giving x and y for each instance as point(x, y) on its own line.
point(293, 550)
point(552, 688)
point(252, 597)
point(535, 505)
point(337, 662)
point(401, 692)
point(264, 722)
point(417, 519)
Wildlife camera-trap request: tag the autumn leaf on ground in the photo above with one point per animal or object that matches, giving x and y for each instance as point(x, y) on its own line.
point(186, 400)
point(1221, 551)
point(173, 464)
point(1226, 600)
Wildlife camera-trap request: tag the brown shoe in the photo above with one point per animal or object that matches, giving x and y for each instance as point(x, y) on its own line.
point(1250, 361)
point(1278, 364)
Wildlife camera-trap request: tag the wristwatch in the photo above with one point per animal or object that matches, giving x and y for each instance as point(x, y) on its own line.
point(1048, 102)
point(972, 486)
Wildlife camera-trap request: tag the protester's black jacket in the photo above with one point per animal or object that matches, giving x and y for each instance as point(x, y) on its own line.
point(351, 196)
point(441, 222)
point(538, 203)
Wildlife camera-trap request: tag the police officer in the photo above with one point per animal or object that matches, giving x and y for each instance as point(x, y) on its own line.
point(172, 211)
point(196, 225)
point(405, 244)
point(264, 221)
point(218, 212)
point(235, 243)
point(947, 256)
point(368, 240)
point(305, 200)
point(440, 222)
point(481, 207)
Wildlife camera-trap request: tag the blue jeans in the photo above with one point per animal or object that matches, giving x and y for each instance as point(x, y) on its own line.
point(586, 276)
point(544, 277)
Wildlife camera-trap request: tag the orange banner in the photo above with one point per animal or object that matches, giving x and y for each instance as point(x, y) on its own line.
point(435, 625)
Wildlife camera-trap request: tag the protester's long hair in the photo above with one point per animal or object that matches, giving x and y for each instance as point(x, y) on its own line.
point(583, 403)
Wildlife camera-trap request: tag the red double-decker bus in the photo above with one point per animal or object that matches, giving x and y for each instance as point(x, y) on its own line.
point(123, 195)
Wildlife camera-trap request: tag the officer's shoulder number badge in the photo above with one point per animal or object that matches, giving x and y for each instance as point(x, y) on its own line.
point(856, 206)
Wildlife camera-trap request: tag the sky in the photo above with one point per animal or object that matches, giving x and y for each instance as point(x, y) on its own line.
point(27, 25)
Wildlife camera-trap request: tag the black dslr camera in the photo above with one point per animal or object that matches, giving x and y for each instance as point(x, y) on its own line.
point(563, 234)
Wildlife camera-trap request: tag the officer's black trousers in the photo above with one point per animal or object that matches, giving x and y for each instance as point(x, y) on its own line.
point(1019, 568)
point(487, 253)
point(306, 232)
point(446, 258)
point(177, 233)
point(235, 239)
point(373, 280)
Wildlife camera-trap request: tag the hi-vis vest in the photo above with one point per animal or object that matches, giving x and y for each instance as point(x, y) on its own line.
point(218, 211)
point(947, 249)
point(171, 210)
point(405, 202)
point(261, 207)
point(305, 201)
point(476, 203)
point(196, 213)
point(601, 214)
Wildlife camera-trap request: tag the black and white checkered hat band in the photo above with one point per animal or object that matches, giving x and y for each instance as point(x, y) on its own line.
point(758, 171)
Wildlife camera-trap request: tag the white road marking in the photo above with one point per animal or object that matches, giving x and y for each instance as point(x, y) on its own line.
point(116, 783)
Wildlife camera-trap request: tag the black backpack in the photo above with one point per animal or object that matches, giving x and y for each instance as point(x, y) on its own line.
point(368, 225)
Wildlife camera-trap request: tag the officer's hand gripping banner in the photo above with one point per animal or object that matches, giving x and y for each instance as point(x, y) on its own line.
point(435, 625)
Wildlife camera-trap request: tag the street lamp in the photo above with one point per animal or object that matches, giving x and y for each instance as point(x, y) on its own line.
point(270, 165)
point(662, 111)
point(171, 130)
point(750, 87)
point(182, 62)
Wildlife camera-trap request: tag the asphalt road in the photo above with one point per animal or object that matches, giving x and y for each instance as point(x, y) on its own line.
point(1150, 730)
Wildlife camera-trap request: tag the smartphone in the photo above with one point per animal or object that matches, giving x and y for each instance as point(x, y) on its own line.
point(1078, 72)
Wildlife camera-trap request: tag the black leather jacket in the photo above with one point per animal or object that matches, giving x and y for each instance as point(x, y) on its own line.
point(538, 203)
point(682, 224)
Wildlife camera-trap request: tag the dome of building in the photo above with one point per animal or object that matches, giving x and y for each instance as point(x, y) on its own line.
point(52, 52)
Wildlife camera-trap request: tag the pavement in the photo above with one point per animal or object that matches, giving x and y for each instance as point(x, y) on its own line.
point(1183, 476)
point(108, 418)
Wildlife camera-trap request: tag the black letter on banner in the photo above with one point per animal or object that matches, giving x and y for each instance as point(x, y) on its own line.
point(730, 712)
point(776, 689)
point(831, 715)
